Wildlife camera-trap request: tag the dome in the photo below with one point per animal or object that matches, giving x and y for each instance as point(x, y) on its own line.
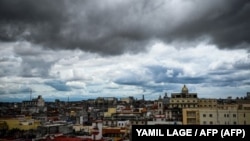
point(184, 89)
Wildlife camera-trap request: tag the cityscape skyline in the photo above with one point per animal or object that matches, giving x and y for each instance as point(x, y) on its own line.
point(87, 49)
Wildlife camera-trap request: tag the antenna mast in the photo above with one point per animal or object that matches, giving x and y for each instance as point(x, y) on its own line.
point(30, 94)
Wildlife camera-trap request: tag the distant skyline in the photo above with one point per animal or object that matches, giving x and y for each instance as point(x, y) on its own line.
point(78, 49)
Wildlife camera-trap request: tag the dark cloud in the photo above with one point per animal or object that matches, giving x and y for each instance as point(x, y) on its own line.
point(58, 85)
point(31, 11)
point(221, 72)
point(242, 64)
point(172, 75)
point(160, 77)
point(19, 90)
point(9, 65)
point(116, 27)
point(160, 73)
point(24, 19)
point(227, 78)
point(35, 68)
point(225, 24)
point(130, 78)
point(33, 61)
point(190, 80)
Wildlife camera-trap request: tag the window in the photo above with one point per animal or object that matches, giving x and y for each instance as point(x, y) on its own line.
point(210, 115)
point(204, 115)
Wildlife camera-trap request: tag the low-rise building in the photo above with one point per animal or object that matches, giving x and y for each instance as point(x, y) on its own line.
point(21, 122)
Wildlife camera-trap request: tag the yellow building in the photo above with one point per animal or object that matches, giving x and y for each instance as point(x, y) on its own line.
point(190, 116)
point(22, 123)
point(109, 113)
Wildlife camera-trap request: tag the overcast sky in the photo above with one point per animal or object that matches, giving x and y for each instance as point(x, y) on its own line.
point(81, 49)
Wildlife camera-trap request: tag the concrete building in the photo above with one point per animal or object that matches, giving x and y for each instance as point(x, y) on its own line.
point(36, 105)
point(243, 117)
point(215, 116)
point(181, 100)
point(184, 99)
point(190, 116)
point(207, 103)
point(38, 102)
point(21, 122)
point(127, 100)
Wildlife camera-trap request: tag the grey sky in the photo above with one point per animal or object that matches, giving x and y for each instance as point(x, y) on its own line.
point(93, 47)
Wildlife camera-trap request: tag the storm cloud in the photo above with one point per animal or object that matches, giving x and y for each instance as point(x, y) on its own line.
point(116, 27)
point(88, 48)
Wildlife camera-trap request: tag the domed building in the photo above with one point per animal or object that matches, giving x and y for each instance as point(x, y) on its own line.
point(184, 90)
point(181, 100)
point(184, 99)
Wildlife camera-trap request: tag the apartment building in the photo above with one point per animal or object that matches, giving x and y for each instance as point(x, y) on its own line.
point(207, 103)
point(215, 116)
point(184, 99)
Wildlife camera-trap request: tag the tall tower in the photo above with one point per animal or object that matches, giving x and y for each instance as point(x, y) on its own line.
point(160, 105)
